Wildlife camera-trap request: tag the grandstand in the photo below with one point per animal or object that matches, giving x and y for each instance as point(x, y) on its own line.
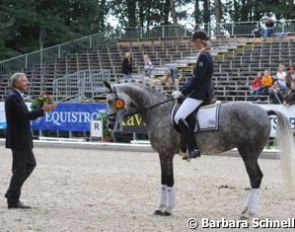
point(107, 57)
point(236, 62)
point(235, 69)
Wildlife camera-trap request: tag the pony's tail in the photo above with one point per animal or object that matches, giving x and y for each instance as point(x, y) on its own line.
point(285, 142)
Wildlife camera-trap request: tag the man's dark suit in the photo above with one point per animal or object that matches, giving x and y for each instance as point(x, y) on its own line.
point(19, 140)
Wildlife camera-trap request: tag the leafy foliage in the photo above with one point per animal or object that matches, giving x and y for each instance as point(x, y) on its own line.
point(103, 117)
point(21, 20)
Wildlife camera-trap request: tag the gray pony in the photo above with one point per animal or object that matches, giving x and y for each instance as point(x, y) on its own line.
point(242, 125)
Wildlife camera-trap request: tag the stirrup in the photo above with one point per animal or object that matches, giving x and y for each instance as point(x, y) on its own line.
point(192, 154)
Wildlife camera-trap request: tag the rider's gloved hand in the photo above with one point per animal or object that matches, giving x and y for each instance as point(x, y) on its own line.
point(176, 94)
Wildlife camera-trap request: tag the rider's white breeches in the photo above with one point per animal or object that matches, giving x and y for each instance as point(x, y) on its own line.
point(186, 108)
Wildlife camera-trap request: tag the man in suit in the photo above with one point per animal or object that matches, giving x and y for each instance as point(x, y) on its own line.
point(19, 137)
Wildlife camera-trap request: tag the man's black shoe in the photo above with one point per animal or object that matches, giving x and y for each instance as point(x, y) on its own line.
point(19, 205)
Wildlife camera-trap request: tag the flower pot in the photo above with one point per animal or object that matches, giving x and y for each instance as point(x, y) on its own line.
point(107, 138)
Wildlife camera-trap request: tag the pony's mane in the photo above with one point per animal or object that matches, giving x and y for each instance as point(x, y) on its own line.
point(146, 86)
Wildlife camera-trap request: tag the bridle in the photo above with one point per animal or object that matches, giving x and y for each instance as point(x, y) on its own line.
point(121, 113)
point(119, 101)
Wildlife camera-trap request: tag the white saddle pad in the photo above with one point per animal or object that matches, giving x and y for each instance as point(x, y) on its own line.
point(207, 118)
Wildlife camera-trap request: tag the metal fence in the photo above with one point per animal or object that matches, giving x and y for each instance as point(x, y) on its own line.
point(231, 29)
point(92, 85)
point(81, 85)
point(67, 88)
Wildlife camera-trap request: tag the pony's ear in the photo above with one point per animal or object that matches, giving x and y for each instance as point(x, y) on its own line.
point(108, 85)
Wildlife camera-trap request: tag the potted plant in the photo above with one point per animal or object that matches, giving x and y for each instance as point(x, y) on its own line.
point(107, 133)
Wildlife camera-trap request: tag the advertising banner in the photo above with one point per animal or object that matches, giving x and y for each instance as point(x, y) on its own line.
point(69, 117)
point(288, 111)
point(134, 124)
point(2, 116)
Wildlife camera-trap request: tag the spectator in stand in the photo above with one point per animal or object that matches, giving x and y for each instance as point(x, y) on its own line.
point(269, 28)
point(290, 75)
point(165, 80)
point(276, 95)
point(148, 66)
point(290, 96)
point(266, 83)
point(255, 85)
point(127, 65)
point(281, 78)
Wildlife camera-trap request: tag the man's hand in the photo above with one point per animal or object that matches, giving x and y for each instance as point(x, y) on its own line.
point(176, 94)
point(48, 107)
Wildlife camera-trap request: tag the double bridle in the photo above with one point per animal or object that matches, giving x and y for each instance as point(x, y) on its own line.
point(138, 111)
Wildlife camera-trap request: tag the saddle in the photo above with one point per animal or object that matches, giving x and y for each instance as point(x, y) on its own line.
point(192, 119)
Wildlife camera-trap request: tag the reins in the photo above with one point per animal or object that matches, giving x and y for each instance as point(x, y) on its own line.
point(150, 107)
point(144, 109)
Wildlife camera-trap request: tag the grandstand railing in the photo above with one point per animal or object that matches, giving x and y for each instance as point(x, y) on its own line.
point(67, 88)
point(92, 85)
point(214, 30)
point(81, 86)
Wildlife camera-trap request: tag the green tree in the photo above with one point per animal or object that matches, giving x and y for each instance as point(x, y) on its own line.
point(21, 20)
point(218, 11)
point(198, 13)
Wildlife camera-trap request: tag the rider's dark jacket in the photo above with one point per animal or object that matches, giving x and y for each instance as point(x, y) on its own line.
point(200, 85)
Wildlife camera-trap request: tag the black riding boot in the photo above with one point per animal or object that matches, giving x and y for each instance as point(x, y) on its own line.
point(189, 139)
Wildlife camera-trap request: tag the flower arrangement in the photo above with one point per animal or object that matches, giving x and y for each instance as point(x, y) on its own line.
point(39, 101)
point(103, 117)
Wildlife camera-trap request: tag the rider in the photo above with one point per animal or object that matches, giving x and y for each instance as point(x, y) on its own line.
point(196, 90)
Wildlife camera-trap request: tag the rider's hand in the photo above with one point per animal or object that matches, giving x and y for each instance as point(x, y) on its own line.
point(176, 94)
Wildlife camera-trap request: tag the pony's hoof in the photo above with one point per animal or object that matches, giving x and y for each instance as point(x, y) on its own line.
point(244, 217)
point(158, 213)
point(166, 213)
point(186, 158)
point(247, 216)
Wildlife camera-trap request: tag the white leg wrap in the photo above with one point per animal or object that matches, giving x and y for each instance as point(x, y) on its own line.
point(253, 201)
point(163, 198)
point(171, 199)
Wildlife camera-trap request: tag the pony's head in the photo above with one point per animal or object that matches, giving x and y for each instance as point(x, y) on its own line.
point(119, 105)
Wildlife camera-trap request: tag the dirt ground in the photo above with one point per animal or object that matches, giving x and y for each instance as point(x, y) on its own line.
point(87, 190)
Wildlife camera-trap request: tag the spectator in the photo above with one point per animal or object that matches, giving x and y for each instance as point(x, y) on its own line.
point(266, 83)
point(276, 94)
point(290, 96)
point(127, 65)
point(174, 71)
point(281, 78)
point(148, 66)
point(255, 85)
point(290, 75)
point(167, 79)
point(269, 28)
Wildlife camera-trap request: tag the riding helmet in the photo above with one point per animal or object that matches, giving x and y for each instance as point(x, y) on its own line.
point(200, 34)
